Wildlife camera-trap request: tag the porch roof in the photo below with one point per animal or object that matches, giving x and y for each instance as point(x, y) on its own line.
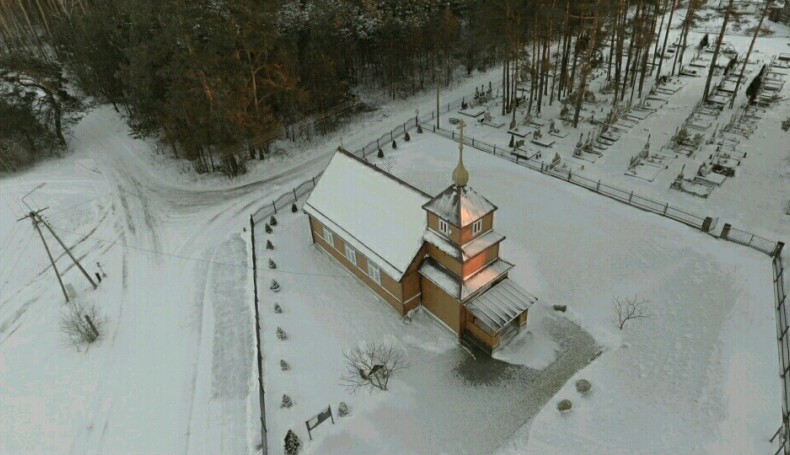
point(501, 304)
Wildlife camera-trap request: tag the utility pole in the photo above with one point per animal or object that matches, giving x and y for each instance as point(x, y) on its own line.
point(749, 52)
point(34, 218)
point(68, 251)
point(716, 51)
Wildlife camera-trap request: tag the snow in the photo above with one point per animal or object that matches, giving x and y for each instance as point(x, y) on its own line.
point(467, 251)
point(501, 304)
point(376, 214)
point(460, 206)
point(175, 371)
point(664, 392)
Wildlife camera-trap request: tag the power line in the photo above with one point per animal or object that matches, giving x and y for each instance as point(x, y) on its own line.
point(187, 258)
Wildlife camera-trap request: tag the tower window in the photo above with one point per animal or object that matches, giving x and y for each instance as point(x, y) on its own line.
point(444, 227)
point(477, 226)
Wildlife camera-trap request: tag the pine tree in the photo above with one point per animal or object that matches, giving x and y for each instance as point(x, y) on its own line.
point(269, 245)
point(754, 88)
point(273, 221)
point(394, 145)
point(294, 209)
point(272, 265)
point(292, 443)
point(380, 154)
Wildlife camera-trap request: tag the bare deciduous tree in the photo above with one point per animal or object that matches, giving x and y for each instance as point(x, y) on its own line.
point(626, 309)
point(388, 164)
point(371, 366)
point(82, 323)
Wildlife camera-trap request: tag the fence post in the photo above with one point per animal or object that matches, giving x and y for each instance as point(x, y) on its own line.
point(666, 207)
point(391, 135)
point(725, 231)
point(494, 149)
point(453, 135)
point(598, 186)
point(313, 182)
point(378, 144)
point(569, 175)
point(295, 198)
point(630, 196)
point(541, 166)
point(706, 223)
point(275, 207)
point(473, 142)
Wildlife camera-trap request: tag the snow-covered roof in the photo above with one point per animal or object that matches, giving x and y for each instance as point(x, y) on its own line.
point(453, 286)
point(501, 304)
point(469, 250)
point(376, 213)
point(459, 205)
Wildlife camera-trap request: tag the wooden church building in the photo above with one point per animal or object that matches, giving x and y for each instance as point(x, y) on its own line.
point(413, 249)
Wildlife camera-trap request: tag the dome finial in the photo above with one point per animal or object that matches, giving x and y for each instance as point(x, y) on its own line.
point(460, 174)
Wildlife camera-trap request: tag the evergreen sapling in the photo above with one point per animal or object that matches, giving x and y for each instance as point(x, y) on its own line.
point(292, 443)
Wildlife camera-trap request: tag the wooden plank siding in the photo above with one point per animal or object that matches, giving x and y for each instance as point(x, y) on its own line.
point(455, 231)
point(443, 306)
point(474, 264)
point(492, 341)
point(449, 262)
point(389, 289)
point(466, 231)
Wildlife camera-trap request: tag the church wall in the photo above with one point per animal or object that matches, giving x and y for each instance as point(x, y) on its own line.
point(443, 306)
point(455, 231)
point(466, 233)
point(445, 259)
point(389, 290)
point(474, 264)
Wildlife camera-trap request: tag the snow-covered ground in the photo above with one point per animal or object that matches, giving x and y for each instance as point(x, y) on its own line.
point(175, 370)
point(675, 382)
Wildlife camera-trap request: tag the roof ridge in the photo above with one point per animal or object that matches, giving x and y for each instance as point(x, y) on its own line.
point(366, 163)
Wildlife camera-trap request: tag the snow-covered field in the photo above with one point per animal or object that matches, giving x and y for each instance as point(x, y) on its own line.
point(696, 376)
point(175, 369)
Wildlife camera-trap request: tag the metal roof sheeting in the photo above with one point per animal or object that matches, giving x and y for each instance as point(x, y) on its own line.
point(459, 206)
point(501, 304)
